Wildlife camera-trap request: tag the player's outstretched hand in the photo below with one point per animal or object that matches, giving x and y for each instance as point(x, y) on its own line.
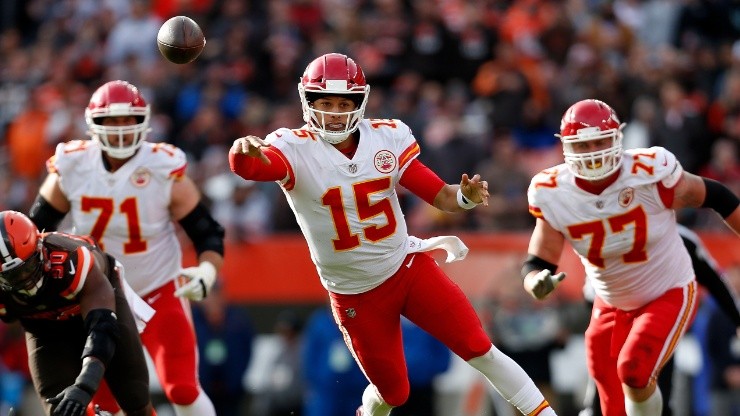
point(474, 189)
point(543, 283)
point(200, 279)
point(72, 401)
point(252, 147)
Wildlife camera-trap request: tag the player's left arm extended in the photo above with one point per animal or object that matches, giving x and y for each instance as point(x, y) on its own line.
point(427, 185)
point(700, 192)
point(206, 234)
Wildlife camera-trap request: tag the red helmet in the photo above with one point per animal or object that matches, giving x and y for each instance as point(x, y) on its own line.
point(333, 74)
point(21, 257)
point(585, 121)
point(116, 99)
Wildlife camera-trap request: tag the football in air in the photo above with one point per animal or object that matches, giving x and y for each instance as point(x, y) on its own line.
point(180, 40)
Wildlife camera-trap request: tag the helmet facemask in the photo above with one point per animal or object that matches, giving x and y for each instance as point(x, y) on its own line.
point(20, 276)
point(317, 119)
point(112, 138)
point(598, 164)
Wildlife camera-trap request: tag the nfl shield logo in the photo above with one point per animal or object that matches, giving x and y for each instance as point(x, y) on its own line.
point(351, 312)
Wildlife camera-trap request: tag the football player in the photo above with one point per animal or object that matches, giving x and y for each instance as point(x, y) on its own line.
point(127, 193)
point(616, 208)
point(339, 172)
point(709, 276)
point(67, 295)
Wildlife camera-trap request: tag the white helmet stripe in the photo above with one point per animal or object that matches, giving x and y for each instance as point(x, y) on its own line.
point(4, 248)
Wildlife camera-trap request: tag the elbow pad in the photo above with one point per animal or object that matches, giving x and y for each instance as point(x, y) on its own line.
point(102, 334)
point(204, 231)
point(44, 215)
point(719, 198)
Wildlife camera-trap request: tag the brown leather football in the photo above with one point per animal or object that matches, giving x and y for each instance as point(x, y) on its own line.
point(180, 40)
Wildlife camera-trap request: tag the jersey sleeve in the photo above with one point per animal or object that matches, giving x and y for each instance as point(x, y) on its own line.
point(285, 143)
point(407, 148)
point(166, 161)
point(668, 169)
point(537, 192)
point(67, 156)
point(78, 267)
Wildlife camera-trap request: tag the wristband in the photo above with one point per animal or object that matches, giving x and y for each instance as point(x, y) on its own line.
point(463, 202)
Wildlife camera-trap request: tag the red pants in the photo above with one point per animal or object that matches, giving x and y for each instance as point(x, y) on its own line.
point(419, 290)
point(169, 338)
point(631, 347)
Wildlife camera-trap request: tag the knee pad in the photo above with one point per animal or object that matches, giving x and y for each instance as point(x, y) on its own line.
point(633, 374)
point(182, 394)
point(398, 395)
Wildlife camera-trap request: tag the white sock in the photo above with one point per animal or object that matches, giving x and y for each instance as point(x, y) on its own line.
point(372, 404)
point(511, 381)
point(202, 406)
point(652, 406)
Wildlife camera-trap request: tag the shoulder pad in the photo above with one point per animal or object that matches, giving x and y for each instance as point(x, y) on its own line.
point(67, 156)
point(294, 136)
point(164, 160)
point(654, 164)
point(68, 260)
point(397, 127)
point(541, 185)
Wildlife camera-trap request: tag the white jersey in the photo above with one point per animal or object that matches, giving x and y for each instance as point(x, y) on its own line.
point(626, 237)
point(348, 209)
point(127, 211)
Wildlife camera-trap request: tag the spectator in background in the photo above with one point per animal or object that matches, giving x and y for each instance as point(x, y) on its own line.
point(680, 128)
point(638, 133)
point(133, 36)
point(242, 207)
point(283, 392)
point(225, 337)
point(724, 166)
point(507, 184)
point(27, 143)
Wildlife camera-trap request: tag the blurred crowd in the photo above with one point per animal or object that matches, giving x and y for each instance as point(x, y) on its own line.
point(483, 84)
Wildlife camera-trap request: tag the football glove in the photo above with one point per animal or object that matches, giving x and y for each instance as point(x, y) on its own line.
point(72, 401)
point(200, 281)
point(543, 283)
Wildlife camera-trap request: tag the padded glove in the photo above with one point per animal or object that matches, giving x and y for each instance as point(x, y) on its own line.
point(72, 401)
point(542, 283)
point(200, 281)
